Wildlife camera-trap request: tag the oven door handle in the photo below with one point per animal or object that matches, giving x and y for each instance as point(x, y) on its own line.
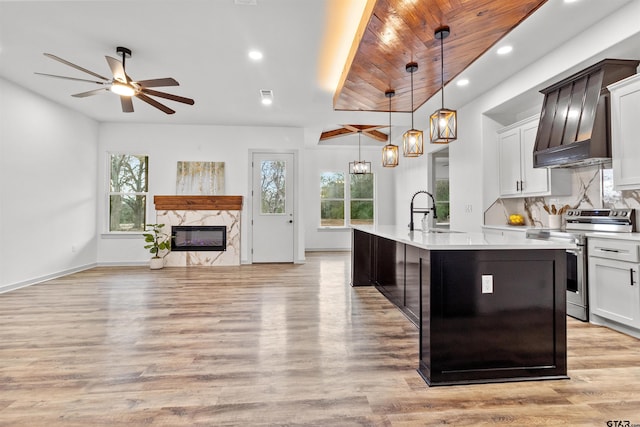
point(576, 252)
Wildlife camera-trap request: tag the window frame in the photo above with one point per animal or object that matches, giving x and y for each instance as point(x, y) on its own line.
point(346, 201)
point(372, 199)
point(441, 220)
point(343, 200)
point(109, 193)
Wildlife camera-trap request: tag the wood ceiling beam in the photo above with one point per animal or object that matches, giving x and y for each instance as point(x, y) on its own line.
point(369, 130)
point(393, 33)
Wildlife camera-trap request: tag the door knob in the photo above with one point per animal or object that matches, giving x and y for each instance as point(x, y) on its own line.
point(290, 221)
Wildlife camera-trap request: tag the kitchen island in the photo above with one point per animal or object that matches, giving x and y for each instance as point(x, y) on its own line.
point(489, 308)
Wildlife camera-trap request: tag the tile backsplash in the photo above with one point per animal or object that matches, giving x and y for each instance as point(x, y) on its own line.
point(591, 187)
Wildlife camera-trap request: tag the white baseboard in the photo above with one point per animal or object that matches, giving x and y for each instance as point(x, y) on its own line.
point(35, 281)
point(123, 264)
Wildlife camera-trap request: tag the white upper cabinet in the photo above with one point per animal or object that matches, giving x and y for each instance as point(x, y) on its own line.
point(625, 133)
point(518, 177)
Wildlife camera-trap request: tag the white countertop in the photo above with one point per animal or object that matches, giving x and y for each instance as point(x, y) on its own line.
point(459, 241)
point(618, 236)
point(522, 228)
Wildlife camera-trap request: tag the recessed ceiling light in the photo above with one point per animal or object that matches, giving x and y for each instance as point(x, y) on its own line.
point(504, 50)
point(266, 97)
point(463, 82)
point(570, 1)
point(256, 55)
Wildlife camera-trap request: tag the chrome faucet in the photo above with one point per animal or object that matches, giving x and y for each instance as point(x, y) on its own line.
point(425, 211)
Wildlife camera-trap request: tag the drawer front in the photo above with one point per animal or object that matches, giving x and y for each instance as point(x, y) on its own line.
point(620, 250)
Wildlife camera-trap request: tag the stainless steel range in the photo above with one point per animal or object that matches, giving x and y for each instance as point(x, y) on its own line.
point(579, 222)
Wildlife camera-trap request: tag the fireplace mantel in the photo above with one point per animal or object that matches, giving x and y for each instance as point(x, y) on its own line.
point(195, 211)
point(198, 203)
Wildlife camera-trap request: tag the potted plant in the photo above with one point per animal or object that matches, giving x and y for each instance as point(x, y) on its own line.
point(156, 241)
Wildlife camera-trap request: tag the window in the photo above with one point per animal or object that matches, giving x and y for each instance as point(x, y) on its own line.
point(336, 204)
point(361, 199)
point(442, 200)
point(331, 199)
point(128, 192)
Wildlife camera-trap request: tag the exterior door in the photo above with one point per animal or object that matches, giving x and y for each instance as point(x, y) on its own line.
point(273, 203)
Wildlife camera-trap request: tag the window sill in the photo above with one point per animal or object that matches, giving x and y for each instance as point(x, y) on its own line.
point(334, 228)
point(122, 235)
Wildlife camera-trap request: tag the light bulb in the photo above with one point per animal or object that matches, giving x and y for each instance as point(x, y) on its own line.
point(122, 89)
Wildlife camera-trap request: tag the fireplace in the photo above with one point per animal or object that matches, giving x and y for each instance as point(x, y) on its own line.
point(198, 213)
point(199, 238)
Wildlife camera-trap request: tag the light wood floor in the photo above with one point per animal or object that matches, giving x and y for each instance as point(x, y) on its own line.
point(265, 345)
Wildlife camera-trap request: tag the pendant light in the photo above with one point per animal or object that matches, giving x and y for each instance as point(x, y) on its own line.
point(390, 151)
point(359, 166)
point(444, 126)
point(412, 140)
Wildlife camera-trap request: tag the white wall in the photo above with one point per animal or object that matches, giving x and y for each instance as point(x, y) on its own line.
point(166, 145)
point(47, 188)
point(336, 159)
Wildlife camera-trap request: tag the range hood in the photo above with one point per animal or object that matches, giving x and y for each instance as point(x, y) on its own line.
point(574, 127)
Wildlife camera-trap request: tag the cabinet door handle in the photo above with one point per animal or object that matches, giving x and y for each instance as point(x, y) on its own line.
point(521, 185)
point(631, 274)
point(517, 185)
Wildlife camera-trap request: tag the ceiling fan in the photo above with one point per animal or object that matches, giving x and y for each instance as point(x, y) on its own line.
point(122, 85)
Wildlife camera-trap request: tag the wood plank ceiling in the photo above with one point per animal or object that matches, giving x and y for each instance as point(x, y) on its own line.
point(393, 33)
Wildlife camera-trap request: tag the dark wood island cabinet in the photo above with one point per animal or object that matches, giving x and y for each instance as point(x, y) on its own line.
point(488, 309)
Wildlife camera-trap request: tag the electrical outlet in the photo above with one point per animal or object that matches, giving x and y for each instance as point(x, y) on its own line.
point(487, 283)
point(468, 208)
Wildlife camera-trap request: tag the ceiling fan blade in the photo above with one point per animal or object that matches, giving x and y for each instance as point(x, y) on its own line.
point(117, 69)
point(89, 93)
point(71, 78)
point(168, 96)
point(154, 103)
point(167, 81)
point(127, 104)
point(77, 67)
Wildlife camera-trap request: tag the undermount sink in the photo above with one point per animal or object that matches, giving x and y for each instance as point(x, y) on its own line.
point(440, 230)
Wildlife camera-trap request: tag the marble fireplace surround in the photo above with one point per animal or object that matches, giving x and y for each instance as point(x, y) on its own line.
point(201, 210)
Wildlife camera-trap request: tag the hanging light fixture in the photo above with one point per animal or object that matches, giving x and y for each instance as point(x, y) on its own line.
point(412, 140)
point(444, 122)
point(390, 151)
point(359, 166)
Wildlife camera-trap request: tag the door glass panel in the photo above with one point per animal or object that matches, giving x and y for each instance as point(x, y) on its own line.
point(272, 186)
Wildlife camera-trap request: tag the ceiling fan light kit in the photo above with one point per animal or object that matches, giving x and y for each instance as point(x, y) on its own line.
point(122, 85)
point(443, 122)
point(390, 151)
point(122, 89)
point(412, 140)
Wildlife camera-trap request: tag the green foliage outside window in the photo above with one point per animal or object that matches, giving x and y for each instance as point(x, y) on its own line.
point(442, 200)
point(332, 199)
point(128, 192)
point(361, 199)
